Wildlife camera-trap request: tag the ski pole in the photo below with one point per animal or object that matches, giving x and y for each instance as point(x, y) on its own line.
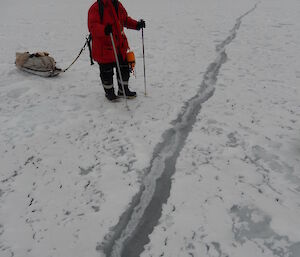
point(144, 61)
point(118, 67)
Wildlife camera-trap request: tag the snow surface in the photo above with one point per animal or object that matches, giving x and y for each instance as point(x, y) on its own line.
point(73, 163)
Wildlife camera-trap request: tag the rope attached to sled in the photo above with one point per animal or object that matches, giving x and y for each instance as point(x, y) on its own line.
point(87, 43)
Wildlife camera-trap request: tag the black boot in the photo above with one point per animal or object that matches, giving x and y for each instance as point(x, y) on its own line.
point(129, 94)
point(110, 94)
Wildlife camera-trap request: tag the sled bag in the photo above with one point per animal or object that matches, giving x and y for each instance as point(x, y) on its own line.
point(38, 63)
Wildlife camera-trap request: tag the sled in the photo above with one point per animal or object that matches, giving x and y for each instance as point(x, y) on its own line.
point(39, 63)
point(43, 73)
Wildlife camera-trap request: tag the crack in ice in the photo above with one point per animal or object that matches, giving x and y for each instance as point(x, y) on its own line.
point(131, 234)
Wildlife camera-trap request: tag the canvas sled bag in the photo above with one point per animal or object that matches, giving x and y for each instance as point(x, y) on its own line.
point(37, 63)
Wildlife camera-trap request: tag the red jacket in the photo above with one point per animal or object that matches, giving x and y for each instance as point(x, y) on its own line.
point(102, 49)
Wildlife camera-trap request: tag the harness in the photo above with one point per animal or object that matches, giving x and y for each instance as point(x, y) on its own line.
point(101, 9)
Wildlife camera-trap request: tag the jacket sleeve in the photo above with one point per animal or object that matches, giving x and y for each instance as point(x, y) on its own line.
point(128, 21)
point(94, 25)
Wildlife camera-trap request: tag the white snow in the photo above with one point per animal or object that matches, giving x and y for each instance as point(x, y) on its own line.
point(71, 161)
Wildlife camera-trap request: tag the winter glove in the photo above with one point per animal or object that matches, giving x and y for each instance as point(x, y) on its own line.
point(141, 24)
point(108, 29)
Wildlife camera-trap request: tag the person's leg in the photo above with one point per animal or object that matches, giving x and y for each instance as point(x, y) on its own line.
point(106, 75)
point(125, 72)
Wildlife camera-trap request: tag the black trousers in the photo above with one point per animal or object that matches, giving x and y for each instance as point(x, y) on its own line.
point(107, 73)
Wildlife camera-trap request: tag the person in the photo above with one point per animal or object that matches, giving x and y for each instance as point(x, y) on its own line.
point(110, 17)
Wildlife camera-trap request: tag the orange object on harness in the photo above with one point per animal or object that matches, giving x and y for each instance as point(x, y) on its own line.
point(130, 57)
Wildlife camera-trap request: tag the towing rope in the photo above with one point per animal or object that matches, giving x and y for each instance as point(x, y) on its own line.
point(87, 43)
